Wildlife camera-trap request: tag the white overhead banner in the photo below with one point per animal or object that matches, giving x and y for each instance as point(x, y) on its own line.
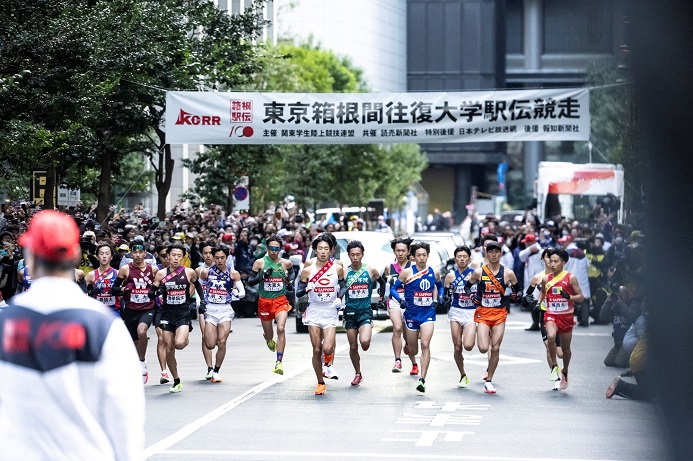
point(195, 117)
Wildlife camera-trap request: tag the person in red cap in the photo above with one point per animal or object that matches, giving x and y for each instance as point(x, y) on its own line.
point(55, 340)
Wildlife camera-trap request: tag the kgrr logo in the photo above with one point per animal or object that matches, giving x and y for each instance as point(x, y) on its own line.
point(241, 132)
point(186, 118)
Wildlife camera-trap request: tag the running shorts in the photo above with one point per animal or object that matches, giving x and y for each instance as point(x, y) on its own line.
point(490, 316)
point(414, 318)
point(392, 303)
point(461, 316)
point(564, 322)
point(355, 319)
point(322, 317)
point(172, 319)
point(133, 317)
point(268, 308)
point(219, 313)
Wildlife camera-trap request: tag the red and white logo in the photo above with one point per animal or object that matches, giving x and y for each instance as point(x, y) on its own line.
point(241, 132)
point(186, 118)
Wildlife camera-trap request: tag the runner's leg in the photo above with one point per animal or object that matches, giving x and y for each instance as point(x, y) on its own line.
point(496, 339)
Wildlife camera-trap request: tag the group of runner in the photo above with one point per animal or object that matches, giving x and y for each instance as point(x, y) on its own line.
point(168, 295)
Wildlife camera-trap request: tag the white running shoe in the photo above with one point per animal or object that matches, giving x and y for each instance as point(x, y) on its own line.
point(488, 388)
point(145, 372)
point(216, 377)
point(210, 373)
point(330, 372)
point(554, 375)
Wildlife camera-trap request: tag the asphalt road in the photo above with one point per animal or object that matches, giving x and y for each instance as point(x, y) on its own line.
point(257, 415)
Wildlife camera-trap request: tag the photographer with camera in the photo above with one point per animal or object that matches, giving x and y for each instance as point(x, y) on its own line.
point(88, 260)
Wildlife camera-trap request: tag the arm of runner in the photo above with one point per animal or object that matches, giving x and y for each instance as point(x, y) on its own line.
point(303, 285)
point(393, 292)
point(237, 284)
point(204, 273)
point(156, 285)
point(290, 275)
point(342, 282)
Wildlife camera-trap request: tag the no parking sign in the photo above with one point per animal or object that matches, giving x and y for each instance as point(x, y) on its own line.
point(241, 195)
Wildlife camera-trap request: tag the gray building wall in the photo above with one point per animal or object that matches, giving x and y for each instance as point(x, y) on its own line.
point(455, 45)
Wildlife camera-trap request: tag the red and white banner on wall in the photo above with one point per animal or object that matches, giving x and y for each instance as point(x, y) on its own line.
point(194, 117)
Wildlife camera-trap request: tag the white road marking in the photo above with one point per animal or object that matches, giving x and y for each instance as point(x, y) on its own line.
point(199, 423)
point(321, 454)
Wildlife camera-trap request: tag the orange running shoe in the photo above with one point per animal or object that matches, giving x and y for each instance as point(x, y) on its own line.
point(414, 370)
point(357, 379)
point(320, 390)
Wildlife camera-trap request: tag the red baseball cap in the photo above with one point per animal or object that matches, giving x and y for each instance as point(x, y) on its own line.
point(567, 238)
point(529, 238)
point(52, 235)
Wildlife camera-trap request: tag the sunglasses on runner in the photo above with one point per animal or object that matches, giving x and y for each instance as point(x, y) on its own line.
point(274, 248)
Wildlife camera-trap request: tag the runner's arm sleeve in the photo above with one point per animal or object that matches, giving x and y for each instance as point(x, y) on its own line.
point(198, 289)
point(441, 289)
point(253, 278)
point(82, 285)
point(393, 290)
point(301, 288)
point(530, 290)
point(342, 289)
point(91, 291)
point(240, 289)
point(381, 286)
point(290, 277)
point(117, 288)
point(468, 287)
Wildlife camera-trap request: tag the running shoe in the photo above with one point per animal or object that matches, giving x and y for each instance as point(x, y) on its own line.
point(320, 390)
point(556, 385)
point(278, 368)
point(488, 388)
point(145, 373)
point(164, 377)
point(398, 367)
point(272, 345)
point(421, 387)
point(210, 373)
point(216, 377)
point(564, 381)
point(553, 376)
point(613, 387)
point(357, 379)
point(464, 382)
point(485, 376)
point(329, 372)
point(406, 349)
point(176, 388)
point(414, 370)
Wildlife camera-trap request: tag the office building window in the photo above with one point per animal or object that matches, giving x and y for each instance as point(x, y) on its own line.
point(578, 26)
point(513, 26)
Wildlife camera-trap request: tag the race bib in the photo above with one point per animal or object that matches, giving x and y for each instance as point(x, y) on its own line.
point(558, 306)
point(139, 296)
point(358, 291)
point(323, 294)
point(491, 301)
point(175, 297)
point(274, 284)
point(107, 300)
point(217, 296)
point(423, 298)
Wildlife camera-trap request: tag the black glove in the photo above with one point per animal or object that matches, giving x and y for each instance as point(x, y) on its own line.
point(513, 297)
point(528, 301)
point(446, 302)
point(153, 292)
point(289, 286)
point(565, 295)
point(202, 308)
point(402, 303)
point(117, 291)
point(267, 274)
point(536, 307)
point(93, 292)
point(381, 304)
point(475, 299)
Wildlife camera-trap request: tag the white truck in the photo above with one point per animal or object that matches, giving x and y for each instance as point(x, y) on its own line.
point(573, 189)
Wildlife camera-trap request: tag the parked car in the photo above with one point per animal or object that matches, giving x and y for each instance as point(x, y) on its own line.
point(450, 240)
point(377, 254)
